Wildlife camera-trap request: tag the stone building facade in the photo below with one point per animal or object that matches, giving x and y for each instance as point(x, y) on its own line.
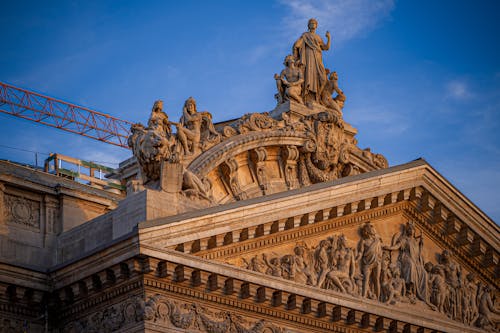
point(273, 222)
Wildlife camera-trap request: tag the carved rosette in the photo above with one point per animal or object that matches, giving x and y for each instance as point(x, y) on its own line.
point(23, 211)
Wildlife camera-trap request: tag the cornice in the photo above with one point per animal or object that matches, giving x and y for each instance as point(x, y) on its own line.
point(261, 286)
point(24, 277)
point(415, 182)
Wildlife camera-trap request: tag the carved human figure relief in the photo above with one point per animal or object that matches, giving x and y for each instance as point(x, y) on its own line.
point(398, 286)
point(372, 270)
point(409, 247)
point(470, 299)
point(488, 315)
point(343, 267)
point(370, 258)
point(453, 276)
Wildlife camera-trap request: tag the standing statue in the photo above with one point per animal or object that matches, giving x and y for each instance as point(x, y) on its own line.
point(331, 87)
point(370, 256)
point(411, 260)
point(453, 275)
point(307, 49)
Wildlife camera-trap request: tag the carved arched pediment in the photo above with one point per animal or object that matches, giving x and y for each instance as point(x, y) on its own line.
point(235, 145)
point(250, 165)
point(258, 163)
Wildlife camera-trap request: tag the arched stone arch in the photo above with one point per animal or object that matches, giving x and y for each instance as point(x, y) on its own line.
point(250, 165)
point(260, 163)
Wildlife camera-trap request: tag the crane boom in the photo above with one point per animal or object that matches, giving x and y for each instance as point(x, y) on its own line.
point(63, 115)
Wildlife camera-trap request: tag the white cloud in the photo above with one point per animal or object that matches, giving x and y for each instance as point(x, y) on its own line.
point(386, 122)
point(458, 89)
point(345, 19)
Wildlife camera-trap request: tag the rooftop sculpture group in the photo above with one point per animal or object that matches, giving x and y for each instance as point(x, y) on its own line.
point(305, 80)
point(323, 154)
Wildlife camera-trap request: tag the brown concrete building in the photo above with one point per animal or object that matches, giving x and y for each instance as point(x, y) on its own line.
point(273, 222)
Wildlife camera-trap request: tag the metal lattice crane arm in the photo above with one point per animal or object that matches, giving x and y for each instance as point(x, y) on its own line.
point(66, 116)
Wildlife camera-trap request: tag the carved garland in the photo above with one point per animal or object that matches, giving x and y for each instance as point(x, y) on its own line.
point(161, 310)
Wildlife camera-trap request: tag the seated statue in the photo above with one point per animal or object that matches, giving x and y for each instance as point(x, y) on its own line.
point(193, 127)
point(192, 186)
point(158, 121)
point(331, 87)
point(289, 82)
point(153, 144)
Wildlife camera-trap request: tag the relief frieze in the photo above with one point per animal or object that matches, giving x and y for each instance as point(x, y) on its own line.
point(394, 272)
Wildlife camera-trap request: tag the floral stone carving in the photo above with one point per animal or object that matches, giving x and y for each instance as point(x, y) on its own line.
point(22, 211)
point(169, 313)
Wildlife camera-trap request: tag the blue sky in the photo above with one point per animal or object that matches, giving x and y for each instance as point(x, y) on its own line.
point(422, 78)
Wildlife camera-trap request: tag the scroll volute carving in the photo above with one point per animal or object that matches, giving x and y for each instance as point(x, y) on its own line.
point(290, 156)
point(258, 156)
point(229, 171)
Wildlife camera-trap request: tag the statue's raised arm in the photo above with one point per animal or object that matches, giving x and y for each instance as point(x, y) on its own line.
point(307, 50)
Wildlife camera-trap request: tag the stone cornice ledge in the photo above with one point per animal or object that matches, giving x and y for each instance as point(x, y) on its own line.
point(363, 305)
point(94, 261)
point(282, 205)
point(461, 206)
point(186, 227)
point(25, 277)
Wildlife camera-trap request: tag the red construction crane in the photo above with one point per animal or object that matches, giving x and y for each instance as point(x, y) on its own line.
point(66, 116)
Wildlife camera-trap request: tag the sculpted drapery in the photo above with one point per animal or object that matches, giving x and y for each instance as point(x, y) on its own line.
point(411, 260)
point(307, 49)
